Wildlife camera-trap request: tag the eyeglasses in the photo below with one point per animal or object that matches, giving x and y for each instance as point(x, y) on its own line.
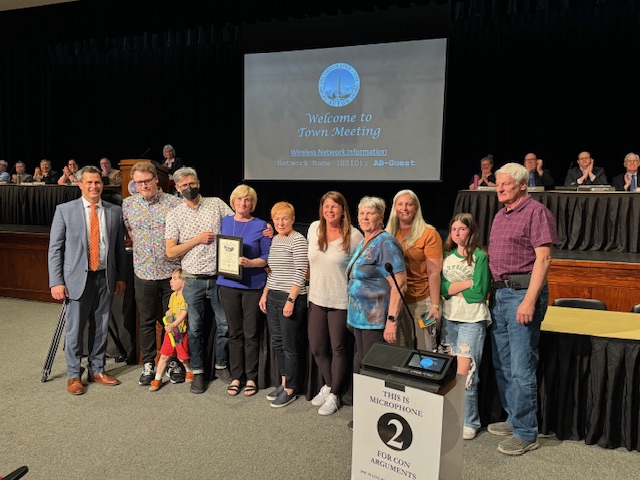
point(187, 185)
point(146, 183)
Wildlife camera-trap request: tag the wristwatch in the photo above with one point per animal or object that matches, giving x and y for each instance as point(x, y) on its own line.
point(436, 306)
point(391, 319)
point(292, 300)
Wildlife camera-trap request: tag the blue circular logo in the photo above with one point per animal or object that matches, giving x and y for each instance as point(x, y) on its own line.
point(339, 85)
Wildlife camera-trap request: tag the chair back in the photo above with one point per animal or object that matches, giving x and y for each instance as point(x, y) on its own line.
point(588, 303)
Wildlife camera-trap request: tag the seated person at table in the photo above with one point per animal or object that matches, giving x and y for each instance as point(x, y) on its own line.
point(110, 176)
point(628, 181)
point(69, 173)
point(538, 177)
point(21, 175)
point(45, 174)
point(586, 173)
point(4, 176)
point(485, 178)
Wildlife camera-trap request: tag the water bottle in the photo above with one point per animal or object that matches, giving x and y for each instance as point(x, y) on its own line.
point(476, 181)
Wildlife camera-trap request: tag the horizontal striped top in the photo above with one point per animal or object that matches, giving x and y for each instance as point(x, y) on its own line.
point(288, 263)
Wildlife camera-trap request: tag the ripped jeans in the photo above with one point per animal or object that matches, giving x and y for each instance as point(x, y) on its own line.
point(467, 340)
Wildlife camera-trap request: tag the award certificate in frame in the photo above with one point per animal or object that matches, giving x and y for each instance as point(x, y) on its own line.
point(229, 252)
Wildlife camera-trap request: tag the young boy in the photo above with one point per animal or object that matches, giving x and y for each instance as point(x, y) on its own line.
point(177, 316)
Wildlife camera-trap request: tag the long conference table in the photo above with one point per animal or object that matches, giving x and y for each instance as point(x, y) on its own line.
point(606, 221)
point(588, 378)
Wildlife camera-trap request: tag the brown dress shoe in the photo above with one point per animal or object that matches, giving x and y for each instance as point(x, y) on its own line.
point(104, 379)
point(74, 386)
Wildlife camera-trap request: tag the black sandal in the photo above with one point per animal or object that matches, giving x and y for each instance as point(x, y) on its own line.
point(233, 390)
point(250, 390)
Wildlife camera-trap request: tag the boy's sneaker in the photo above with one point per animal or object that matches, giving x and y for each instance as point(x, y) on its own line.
point(468, 433)
point(330, 405)
point(148, 374)
point(500, 428)
point(155, 385)
point(273, 394)
point(197, 385)
point(224, 374)
point(515, 446)
point(188, 377)
point(177, 371)
point(319, 399)
point(283, 399)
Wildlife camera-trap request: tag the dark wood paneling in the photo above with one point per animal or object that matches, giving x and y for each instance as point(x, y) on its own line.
point(23, 257)
point(615, 283)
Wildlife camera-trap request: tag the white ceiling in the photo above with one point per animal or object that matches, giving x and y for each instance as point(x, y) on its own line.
point(16, 4)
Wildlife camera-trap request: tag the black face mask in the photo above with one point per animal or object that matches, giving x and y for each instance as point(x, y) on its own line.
point(191, 193)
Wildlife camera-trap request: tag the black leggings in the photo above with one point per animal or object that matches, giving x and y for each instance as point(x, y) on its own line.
point(328, 340)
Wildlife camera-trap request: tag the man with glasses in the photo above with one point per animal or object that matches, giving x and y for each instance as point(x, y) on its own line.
point(586, 173)
point(538, 176)
point(144, 217)
point(628, 181)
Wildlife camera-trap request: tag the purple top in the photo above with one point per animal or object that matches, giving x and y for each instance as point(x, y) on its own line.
point(516, 234)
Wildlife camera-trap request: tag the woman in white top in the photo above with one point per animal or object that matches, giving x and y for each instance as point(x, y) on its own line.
point(332, 240)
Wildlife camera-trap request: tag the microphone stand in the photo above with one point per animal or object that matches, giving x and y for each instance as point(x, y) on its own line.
point(414, 340)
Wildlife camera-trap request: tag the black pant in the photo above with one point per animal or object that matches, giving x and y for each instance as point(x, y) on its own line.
point(245, 322)
point(152, 299)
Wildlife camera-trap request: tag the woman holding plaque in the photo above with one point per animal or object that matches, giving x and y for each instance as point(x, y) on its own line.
point(240, 296)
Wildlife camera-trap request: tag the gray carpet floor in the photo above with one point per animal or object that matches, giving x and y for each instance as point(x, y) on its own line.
point(127, 432)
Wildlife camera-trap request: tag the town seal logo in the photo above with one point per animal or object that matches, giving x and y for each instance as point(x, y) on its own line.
point(339, 85)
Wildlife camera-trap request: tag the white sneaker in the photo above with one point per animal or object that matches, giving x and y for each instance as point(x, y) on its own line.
point(330, 405)
point(468, 433)
point(319, 399)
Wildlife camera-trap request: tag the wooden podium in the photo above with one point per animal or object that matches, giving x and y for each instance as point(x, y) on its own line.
point(125, 168)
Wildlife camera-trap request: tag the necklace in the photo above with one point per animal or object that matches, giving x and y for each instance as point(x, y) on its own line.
point(245, 226)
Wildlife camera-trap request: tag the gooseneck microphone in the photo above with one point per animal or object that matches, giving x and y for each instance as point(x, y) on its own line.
point(389, 268)
point(145, 152)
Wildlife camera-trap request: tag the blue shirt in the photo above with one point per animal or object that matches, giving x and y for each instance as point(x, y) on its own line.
point(254, 245)
point(369, 290)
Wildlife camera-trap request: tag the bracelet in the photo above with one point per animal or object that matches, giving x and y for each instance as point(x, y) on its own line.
point(436, 306)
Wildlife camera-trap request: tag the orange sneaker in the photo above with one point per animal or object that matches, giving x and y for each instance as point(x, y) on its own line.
point(155, 385)
point(188, 377)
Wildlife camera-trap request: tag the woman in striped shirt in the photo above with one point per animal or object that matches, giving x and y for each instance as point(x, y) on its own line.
point(284, 300)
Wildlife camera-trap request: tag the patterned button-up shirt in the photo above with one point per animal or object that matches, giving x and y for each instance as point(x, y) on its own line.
point(146, 220)
point(184, 223)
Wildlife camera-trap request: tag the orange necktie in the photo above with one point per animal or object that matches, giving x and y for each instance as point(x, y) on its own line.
point(94, 239)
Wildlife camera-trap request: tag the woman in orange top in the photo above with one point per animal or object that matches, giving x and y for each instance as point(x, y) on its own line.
point(422, 250)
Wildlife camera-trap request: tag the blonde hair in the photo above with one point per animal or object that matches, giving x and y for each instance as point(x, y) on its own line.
point(244, 191)
point(144, 167)
point(180, 273)
point(418, 225)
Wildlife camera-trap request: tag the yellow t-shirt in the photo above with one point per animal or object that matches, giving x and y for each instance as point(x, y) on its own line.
point(177, 304)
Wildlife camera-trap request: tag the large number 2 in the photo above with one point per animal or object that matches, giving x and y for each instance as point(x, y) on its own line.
point(392, 441)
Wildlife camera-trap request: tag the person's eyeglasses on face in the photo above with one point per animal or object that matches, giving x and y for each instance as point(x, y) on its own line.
point(184, 186)
point(146, 183)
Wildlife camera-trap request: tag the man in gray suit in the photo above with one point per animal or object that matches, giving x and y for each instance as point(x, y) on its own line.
point(89, 290)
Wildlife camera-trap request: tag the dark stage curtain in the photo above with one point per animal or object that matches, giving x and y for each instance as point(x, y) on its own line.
point(588, 389)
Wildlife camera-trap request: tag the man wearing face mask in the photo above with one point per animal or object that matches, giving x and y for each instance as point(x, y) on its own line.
point(190, 233)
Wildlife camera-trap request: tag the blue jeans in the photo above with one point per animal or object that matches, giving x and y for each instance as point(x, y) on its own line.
point(195, 292)
point(515, 358)
point(285, 334)
point(467, 340)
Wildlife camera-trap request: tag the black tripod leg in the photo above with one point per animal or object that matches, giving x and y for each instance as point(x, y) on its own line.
point(116, 341)
point(55, 342)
